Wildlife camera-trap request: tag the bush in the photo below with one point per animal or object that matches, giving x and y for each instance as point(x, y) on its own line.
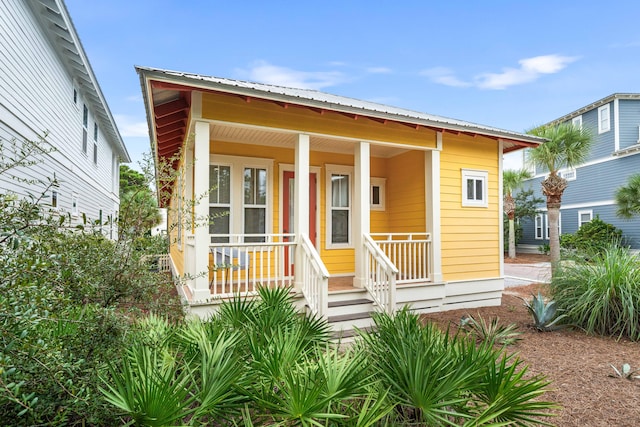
point(602, 295)
point(592, 238)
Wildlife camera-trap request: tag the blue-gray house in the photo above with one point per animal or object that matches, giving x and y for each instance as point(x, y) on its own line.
point(614, 123)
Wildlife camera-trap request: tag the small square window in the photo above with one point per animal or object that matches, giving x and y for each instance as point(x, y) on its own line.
point(474, 188)
point(584, 217)
point(377, 194)
point(603, 119)
point(577, 122)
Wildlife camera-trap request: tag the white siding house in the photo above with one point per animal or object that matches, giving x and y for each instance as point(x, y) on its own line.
point(47, 87)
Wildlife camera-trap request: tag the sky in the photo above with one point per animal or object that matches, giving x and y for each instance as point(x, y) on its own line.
point(507, 64)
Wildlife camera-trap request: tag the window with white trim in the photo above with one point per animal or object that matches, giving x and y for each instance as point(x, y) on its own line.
point(603, 119)
point(53, 201)
point(539, 226)
point(219, 202)
point(577, 122)
point(75, 95)
point(474, 188)
point(95, 143)
point(584, 217)
point(569, 174)
point(255, 203)
point(339, 203)
point(377, 194)
point(74, 204)
point(85, 125)
point(239, 198)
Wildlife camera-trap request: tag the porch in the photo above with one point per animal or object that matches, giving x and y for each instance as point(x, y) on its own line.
point(240, 263)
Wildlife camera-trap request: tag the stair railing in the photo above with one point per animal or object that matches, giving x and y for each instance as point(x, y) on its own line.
point(380, 278)
point(315, 278)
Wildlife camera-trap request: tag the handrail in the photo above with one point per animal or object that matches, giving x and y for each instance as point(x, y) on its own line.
point(410, 252)
point(380, 279)
point(315, 278)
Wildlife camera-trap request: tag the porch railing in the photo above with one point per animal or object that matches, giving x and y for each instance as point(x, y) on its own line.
point(315, 278)
point(409, 252)
point(380, 279)
point(243, 262)
point(190, 256)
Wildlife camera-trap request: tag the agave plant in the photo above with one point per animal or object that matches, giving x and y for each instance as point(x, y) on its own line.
point(491, 331)
point(625, 371)
point(544, 313)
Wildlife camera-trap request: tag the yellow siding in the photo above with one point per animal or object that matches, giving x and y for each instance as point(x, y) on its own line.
point(406, 193)
point(233, 108)
point(470, 246)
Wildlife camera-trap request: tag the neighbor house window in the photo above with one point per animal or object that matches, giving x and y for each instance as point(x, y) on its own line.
point(474, 188)
point(603, 119)
point(85, 124)
point(219, 202)
point(339, 201)
point(95, 143)
point(255, 203)
point(75, 96)
point(569, 174)
point(539, 226)
point(584, 217)
point(577, 122)
point(74, 204)
point(377, 195)
point(54, 198)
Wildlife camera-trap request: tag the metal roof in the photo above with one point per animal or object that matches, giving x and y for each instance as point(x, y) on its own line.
point(57, 24)
point(319, 99)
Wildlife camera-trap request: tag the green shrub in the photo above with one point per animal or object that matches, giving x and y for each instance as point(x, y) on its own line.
point(592, 238)
point(601, 295)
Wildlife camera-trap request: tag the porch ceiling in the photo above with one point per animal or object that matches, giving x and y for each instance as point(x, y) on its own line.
point(249, 135)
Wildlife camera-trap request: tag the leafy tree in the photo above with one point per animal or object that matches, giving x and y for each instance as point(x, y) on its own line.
point(138, 204)
point(511, 181)
point(567, 146)
point(628, 198)
point(526, 208)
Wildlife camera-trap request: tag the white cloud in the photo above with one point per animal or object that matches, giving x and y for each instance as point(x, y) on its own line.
point(263, 72)
point(130, 126)
point(444, 76)
point(530, 70)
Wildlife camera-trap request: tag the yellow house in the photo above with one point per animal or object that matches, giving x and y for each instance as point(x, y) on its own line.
point(337, 198)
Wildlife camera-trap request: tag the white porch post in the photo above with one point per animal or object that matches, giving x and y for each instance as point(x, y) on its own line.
point(301, 207)
point(361, 206)
point(201, 209)
point(432, 175)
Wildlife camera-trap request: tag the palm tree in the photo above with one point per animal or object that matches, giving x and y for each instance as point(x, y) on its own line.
point(511, 181)
point(628, 198)
point(567, 147)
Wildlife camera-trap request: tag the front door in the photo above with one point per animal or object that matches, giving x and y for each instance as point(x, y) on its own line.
point(287, 211)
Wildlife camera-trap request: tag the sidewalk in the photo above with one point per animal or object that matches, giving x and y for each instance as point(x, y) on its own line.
point(524, 274)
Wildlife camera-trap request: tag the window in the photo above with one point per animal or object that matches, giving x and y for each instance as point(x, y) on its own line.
point(584, 217)
point(377, 194)
point(474, 188)
point(219, 202)
point(75, 96)
point(577, 122)
point(569, 174)
point(74, 204)
point(339, 202)
point(255, 203)
point(603, 119)
point(539, 220)
point(54, 198)
point(85, 124)
point(95, 143)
